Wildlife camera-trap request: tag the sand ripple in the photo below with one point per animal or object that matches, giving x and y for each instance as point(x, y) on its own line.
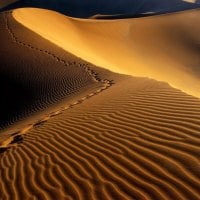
point(129, 142)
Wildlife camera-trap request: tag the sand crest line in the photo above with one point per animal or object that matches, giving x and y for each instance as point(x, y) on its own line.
point(16, 137)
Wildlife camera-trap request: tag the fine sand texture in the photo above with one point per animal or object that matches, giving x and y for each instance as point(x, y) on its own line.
point(84, 132)
point(165, 47)
point(36, 74)
point(137, 140)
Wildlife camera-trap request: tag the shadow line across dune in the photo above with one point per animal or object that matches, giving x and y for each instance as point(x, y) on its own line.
point(164, 48)
point(16, 136)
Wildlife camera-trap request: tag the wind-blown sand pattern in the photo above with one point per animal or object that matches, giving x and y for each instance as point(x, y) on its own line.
point(120, 144)
point(137, 139)
point(76, 74)
point(6, 140)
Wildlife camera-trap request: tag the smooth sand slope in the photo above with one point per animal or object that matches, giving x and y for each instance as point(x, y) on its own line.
point(164, 47)
point(137, 139)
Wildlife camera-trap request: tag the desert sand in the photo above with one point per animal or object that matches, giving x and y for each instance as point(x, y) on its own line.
point(163, 47)
point(92, 133)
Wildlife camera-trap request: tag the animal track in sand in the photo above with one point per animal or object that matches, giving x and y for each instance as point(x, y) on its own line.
point(17, 136)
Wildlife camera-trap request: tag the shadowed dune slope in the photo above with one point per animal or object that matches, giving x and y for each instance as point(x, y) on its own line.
point(35, 73)
point(164, 47)
point(4, 3)
point(137, 140)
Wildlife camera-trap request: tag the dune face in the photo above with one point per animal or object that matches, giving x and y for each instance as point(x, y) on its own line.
point(35, 74)
point(137, 140)
point(87, 8)
point(71, 128)
point(164, 47)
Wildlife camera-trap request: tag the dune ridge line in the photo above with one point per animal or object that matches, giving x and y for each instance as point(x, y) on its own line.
point(17, 135)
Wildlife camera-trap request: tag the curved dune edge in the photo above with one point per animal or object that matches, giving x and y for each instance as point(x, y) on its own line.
point(163, 47)
point(138, 140)
point(54, 75)
point(121, 144)
point(9, 137)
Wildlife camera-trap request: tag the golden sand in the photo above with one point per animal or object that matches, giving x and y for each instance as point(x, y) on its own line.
point(136, 139)
point(161, 47)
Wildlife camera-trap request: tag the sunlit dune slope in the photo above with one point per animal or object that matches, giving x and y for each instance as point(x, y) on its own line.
point(165, 47)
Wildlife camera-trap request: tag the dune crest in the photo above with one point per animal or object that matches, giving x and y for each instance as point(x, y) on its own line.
point(137, 139)
point(163, 47)
point(43, 85)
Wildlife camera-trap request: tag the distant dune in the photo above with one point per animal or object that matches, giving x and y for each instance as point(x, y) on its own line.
point(164, 47)
point(74, 129)
point(88, 8)
point(4, 3)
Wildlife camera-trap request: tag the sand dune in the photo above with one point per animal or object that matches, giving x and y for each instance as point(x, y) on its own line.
point(4, 3)
point(165, 47)
point(35, 77)
point(137, 140)
point(83, 137)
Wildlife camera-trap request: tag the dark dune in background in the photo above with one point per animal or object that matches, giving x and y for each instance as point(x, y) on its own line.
point(4, 3)
point(87, 8)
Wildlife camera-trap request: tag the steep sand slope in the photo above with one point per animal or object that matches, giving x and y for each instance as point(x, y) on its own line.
point(137, 140)
point(165, 47)
point(35, 74)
